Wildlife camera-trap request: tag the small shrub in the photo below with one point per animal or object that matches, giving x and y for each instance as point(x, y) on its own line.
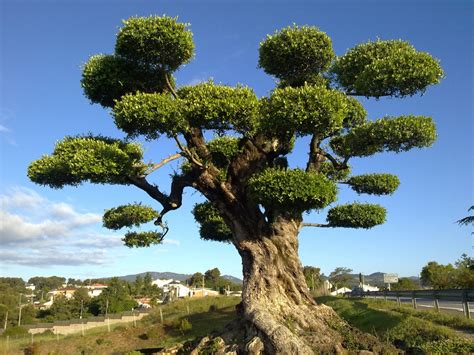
point(15, 331)
point(154, 333)
point(183, 325)
point(32, 349)
point(99, 341)
point(213, 308)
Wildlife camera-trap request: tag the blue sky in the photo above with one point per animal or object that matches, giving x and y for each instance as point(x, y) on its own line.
point(58, 232)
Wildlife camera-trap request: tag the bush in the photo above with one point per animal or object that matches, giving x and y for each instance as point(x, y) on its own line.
point(213, 308)
point(183, 326)
point(15, 331)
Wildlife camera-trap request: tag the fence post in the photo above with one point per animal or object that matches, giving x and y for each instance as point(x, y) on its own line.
point(413, 300)
point(161, 316)
point(8, 343)
point(398, 301)
point(32, 335)
point(465, 303)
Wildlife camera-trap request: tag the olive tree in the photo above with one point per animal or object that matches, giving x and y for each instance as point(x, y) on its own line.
point(253, 199)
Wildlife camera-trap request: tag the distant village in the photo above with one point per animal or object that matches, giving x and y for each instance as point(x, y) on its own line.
point(170, 290)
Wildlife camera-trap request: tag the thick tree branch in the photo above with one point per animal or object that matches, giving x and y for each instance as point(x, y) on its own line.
point(314, 225)
point(169, 202)
point(315, 157)
point(187, 153)
point(161, 163)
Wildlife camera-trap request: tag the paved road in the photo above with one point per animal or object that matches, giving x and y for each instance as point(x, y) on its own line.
point(448, 306)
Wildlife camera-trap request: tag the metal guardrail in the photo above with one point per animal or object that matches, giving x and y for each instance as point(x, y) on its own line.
point(463, 296)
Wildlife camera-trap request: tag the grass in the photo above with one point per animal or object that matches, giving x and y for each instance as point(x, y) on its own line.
point(410, 330)
point(149, 332)
point(413, 331)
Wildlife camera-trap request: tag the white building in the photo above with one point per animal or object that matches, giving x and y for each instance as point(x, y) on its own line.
point(177, 289)
point(160, 283)
point(340, 291)
point(95, 289)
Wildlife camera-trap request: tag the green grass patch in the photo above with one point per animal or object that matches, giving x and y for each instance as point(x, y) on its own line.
point(183, 320)
point(415, 331)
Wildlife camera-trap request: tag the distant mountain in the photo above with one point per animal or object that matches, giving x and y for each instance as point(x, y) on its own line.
point(233, 279)
point(157, 275)
point(172, 275)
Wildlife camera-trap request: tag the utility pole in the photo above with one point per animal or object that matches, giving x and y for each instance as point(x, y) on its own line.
point(19, 313)
point(82, 307)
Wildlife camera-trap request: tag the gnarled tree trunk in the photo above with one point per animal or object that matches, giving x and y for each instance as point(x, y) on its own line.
point(276, 302)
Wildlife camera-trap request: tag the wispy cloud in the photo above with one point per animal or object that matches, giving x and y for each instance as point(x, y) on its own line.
point(37, 231)
point(171, 242)
point(4, 129)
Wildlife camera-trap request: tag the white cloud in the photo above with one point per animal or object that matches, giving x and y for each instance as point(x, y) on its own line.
point(4, 129)
point(20, 197)
point(37, 231)
point(171, 241)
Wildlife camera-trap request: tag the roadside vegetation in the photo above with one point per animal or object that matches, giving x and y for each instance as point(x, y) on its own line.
point(191, 319)
point(408, 329)
point(183, 321)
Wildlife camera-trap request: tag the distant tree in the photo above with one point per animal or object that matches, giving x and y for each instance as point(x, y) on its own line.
point(147, 284)
point(465, 272)
point(467, 220)
point(138, 286)
point(313, 277)
point(114, 299)
point(438, 276)
point(74, 282)
point(340, 277)
point(195, 279)
point(254, 200)
point(405, 283)
point(46, 284)
point(211, 277)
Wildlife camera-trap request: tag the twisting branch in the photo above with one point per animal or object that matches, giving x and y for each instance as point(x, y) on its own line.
point(161, 163)
point(187, 153)
point(168, 83)
point(315, 225)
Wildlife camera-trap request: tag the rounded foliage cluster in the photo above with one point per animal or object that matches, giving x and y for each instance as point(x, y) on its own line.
point(356, 215)
point(142, 239)
point(149, 115)
point(97, 159)
point(219, 107)
point(304, 110)
point(128, 216)
point(296, 54)
point(212, 225)
point(223, 150)
point(327, 168)
point(106, 78)
point(382, 68)
point(356, 113)
point(374, 184)
point(292, 190)
point(386, 134)
point(154, 40)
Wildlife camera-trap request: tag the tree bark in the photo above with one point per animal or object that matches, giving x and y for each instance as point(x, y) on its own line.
point(277, 305)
